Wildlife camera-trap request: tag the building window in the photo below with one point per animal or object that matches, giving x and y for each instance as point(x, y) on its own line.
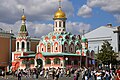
point(71, 49)
point(42, 49)
point(27, 46)
point(48, 61)
point(59, 29)
point(56, 24)
point(64, 24)
point(119, 47)
point(119, 37)
point(59, 24)
point(56, 48)
point(48, 47)
point(23, 45)
point(56, 61)
point(17, 45)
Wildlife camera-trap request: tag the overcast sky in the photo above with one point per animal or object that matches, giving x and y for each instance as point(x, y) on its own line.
point(81, 14)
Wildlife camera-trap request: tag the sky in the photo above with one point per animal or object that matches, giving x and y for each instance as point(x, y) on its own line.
point(81, 15)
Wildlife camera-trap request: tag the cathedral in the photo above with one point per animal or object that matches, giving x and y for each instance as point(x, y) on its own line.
point(58, 48)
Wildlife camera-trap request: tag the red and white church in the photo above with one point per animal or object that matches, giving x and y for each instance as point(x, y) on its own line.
point(56, 49)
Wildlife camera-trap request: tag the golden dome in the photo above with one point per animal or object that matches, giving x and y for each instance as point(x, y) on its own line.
point(59, 14)
point(23, 17)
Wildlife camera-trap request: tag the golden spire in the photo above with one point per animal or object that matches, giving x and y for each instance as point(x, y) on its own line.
point(59, 13)
point(23, 16)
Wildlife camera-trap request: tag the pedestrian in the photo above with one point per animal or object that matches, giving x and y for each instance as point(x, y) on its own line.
point(2, 74)
point(118, 74)
point(19, 74)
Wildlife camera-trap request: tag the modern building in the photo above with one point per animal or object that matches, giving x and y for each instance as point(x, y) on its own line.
point(57, 49)
point(109, 33)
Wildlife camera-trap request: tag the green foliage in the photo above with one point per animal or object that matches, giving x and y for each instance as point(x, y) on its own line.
point(107, 55)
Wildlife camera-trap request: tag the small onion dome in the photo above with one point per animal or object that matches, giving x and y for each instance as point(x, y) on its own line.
point(23, 17)
point(84, 39)
point(59, 14)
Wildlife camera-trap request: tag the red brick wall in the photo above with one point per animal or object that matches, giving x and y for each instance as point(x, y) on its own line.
point(4, 50)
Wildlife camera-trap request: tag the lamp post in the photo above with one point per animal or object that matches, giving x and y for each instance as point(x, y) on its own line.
point(66, 60)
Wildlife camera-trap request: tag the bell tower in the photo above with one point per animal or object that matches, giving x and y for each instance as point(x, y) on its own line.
point(23, 40)
point(59, 20)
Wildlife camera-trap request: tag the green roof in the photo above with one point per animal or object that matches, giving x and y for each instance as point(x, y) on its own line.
point(23, 28)
point(28, 56)
point(58, 54)
point(50, 54)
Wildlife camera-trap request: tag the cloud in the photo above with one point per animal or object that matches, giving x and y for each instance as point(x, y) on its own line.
point(38, 30)
point(35, 10)
point(85, 11)
point(111, 6)
point(77, 27)
point(117, 17)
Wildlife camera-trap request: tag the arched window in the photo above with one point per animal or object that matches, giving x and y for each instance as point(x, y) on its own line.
point(28, 46)
point(48, 61)
point(59, 24)
point(48, 47)
point(56, 24)
point(75, 62)
point(64, 24)
point(23, 45)
point(56, 61)
point(17, 45)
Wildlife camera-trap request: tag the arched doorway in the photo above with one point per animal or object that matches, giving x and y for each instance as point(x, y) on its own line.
point(39, 63)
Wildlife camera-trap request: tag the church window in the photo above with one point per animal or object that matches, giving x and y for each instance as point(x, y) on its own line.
point(64, 24)
point(17, 45)
point(28, 46)
point(48, 61)
point(56, 48)
point(56, 61)
point(48, 47)
point(56, 24)
point(71, 49)
point(23, 45)
point(59, 24)
point(42, 49)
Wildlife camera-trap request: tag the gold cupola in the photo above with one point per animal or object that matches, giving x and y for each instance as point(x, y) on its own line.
point(59, 13)
point(23, 17)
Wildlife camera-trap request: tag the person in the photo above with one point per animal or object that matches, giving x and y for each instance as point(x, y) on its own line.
point(19, 74)
point(98, 75)
point(2, 74)
point(118, 74)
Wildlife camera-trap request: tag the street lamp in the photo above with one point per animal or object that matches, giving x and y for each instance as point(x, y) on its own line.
point(66, 60)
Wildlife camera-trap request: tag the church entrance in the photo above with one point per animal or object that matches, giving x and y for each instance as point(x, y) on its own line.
point(39, 63)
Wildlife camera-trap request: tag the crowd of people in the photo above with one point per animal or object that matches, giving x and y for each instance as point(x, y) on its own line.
point(75, 73)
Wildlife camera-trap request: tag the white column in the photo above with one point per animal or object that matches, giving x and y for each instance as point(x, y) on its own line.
point(25, 48)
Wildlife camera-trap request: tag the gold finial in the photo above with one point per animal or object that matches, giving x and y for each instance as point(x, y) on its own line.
point(23, 16)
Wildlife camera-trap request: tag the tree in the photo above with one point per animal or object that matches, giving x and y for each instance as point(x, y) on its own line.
point(107, 55)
